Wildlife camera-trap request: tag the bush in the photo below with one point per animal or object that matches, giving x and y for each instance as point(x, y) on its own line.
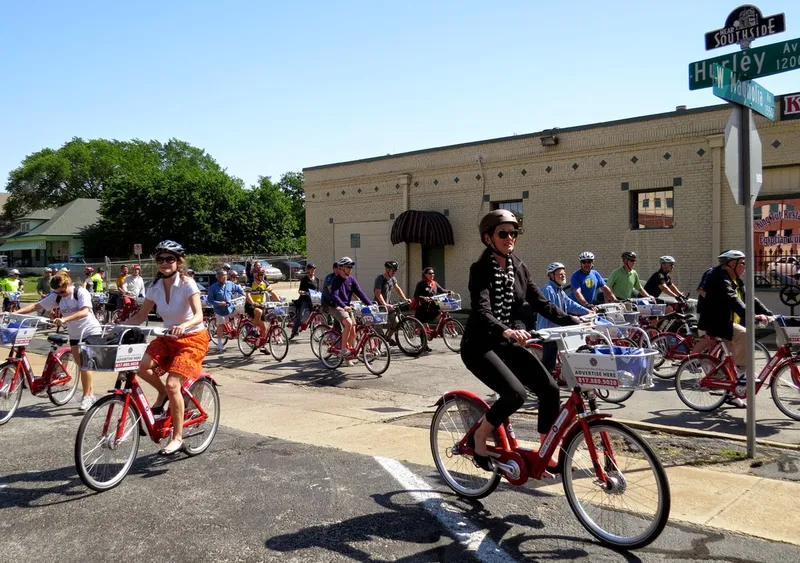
point(198, 262)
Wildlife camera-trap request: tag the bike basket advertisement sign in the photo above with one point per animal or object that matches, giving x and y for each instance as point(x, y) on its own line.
point(592, 370)
point(129, 356)
point(24, 336)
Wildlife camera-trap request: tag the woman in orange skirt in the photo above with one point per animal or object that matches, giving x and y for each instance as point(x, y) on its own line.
point(179, 355)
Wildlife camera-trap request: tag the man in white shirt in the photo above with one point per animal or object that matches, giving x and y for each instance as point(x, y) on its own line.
point(133, 286)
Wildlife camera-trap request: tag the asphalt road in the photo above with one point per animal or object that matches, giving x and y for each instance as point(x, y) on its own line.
point(250, 498)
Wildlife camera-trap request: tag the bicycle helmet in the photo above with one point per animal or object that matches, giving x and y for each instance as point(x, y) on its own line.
point(586, 256)
point(494, 218)
point(729, 255)
point(171, 247)
point(89, 270)
point(390, 265)
point(346, 261)
point(227, 266)
point(667, 260)
point(628, 255)
point(310, 265)
point(555, 266)
point(257, 268)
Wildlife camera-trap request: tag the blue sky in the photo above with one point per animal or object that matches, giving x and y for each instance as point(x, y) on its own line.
point(267, 87)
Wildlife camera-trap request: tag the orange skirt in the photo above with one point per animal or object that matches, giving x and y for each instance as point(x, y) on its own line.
point(181, 356)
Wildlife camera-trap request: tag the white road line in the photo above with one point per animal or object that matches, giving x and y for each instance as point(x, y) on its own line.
point(475, 540)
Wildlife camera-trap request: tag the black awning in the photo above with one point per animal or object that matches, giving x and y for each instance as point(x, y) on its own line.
point(430, 228)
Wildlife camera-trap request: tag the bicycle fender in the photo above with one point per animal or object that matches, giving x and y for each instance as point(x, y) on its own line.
point(60, 352)
point(460, 392)
point(210, 378)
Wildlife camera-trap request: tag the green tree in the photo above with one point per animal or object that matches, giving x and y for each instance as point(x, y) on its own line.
point(291, 183)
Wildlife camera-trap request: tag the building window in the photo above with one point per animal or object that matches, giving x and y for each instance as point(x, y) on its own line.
point(774, 207)
point(757, 213)
point(657, 216)
point(24, 226)
point(514, 206)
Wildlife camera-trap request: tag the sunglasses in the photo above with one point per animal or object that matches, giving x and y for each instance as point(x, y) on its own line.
point(346, 267)
point(587, 261)
point(505, 234)
point(63, 291)
point(431, 273)
point(169, 259)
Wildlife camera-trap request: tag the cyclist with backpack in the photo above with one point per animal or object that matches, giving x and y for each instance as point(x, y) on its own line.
point(75, 303)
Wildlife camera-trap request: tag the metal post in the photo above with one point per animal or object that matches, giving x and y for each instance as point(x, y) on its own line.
point(749, 277)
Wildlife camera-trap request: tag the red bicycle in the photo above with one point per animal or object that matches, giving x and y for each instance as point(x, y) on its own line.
point(108, 436)
point(60, 377)
point(373, 348)
point(315, 318)
point(705, 381)
point(130, 307)
point(614, 482)
point(275, 337)
point(447, 327)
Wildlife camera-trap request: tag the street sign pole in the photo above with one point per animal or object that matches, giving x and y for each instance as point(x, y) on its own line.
point(749, 276)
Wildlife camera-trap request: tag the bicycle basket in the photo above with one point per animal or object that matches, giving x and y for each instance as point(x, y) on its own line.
point(371, 315)
point(316, 297)
point(274, 309)
point(12, 334)
point(628, 368)
point(238, 304)
point(448, 302)
point(120, 349)
point(98, 298)
point(787, 330)
point(651, 310)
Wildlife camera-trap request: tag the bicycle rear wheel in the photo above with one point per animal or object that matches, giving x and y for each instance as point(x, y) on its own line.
point(688, 384)
point(278, 343)
point(198, 436)
point(631, 508)
point(10, 391)
point(411, 337)
point(316, 336)
point(375, 354)
point(64, 383)
point(101, 458)
point(247, 339)
point(452, 331)
point(451, 421)
point(786, 389)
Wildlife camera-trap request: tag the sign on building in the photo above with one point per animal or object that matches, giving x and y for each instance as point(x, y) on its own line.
point(790, 106)
point(355, 240)
point(744, 24)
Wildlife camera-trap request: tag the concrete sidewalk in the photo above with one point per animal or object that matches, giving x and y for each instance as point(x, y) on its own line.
point(340, 418)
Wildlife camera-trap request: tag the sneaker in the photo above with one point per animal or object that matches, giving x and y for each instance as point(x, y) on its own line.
point(736, 402)
point(349, 363)
point(86, 402)
point(220, 348)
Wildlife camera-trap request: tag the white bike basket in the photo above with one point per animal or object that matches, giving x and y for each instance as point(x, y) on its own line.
point(448, 302)
point(787, 330)
point(274, 309)
point(371, 315)
point(106, 351)
point(18, 330)
point(316, 297)
point(238, 304)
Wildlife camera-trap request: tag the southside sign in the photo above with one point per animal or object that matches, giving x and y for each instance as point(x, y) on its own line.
point(748, 64)
point(744, 24)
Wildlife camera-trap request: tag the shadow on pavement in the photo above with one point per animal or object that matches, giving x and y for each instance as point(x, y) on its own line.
point(49, 410)
point(411, 523)
point(717, 421)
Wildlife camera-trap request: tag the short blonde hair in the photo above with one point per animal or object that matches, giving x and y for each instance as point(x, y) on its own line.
point(61, 279)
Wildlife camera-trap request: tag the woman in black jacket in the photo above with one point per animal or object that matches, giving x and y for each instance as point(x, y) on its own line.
point(499, 284)
point(427, 310)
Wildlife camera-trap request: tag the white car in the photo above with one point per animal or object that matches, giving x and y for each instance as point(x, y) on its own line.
point(784, 266)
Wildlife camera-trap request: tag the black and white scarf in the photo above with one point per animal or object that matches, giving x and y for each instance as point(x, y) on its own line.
point(503, 291)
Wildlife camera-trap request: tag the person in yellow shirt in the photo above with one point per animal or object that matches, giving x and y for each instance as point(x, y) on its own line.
point(123, 273)
point(256, 296)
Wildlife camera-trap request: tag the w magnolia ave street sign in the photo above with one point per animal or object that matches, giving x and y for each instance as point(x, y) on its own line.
point(745, 92)
point(743, 25)
point(751, 63)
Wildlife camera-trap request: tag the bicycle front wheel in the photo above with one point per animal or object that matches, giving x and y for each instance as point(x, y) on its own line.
point(451, 422)
point(278, 343)
point(316, 336)
point(786, 389)
point(668, 345)
point(452, 331)
point(411, 337)
point(329, 346)
point(63, 383)
point(689, 384)
point(107, 442)
point(247, 339)
point(630, 509)
point(376, 355)
point(10, 391)
point(197, 436)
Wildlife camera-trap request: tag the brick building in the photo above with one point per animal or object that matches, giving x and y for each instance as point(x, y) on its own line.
point(653, 184)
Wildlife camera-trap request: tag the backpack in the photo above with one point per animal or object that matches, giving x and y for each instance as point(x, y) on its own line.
point(74, 295)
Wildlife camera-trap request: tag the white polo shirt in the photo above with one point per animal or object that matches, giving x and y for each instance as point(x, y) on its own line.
point(177, 311)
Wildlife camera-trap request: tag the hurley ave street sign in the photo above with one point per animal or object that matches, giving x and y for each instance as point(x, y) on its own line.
point(748, 64)
point(745, 92)
point(743, 25)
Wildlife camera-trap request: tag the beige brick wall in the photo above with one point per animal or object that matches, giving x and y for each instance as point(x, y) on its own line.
point(568, 209)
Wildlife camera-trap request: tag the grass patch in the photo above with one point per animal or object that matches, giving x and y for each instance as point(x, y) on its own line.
point(730, 454)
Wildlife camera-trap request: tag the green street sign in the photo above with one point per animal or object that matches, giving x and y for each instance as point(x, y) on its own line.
point(745, 92)
point(355, 240)
point(750, 63)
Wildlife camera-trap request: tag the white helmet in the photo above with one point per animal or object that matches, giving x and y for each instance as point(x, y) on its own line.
point(14, 271)
point(586, 256)
point(554, 266)
point(729, 255)
point(667, 260)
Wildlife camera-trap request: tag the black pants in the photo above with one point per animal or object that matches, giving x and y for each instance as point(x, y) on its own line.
point(549, 353)
point(508, 370)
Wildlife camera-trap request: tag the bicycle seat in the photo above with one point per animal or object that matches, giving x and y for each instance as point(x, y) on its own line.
point(58, 338)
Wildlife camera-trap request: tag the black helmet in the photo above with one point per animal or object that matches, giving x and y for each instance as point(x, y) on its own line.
point(494, 218)
point(390, 265)
point(172, 247)
point(628, 255)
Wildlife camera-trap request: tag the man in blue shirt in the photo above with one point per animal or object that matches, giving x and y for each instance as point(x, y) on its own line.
point(220, 297)
point(554, 293)
point(586, 281)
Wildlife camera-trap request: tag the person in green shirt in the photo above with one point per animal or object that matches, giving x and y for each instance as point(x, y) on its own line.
point(10, 283)
point(624, 280)
point(94, 280)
